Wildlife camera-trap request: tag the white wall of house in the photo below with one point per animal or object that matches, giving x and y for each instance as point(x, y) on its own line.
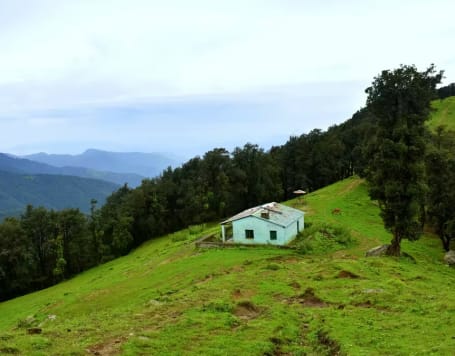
point(261, 230)
point(293, 229)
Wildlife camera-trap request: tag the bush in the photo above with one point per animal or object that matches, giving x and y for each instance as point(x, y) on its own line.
point(323, 237)
point(179, 237)
point(196, 229)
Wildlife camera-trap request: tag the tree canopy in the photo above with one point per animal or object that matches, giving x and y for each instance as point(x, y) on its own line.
point(400, 101)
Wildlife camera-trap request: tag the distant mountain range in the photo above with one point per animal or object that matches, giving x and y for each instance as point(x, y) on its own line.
point(14, 164)
point(63, 181)
point(51, 191)
point(143, 164)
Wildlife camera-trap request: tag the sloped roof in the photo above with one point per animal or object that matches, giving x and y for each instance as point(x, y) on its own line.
point(278, 213)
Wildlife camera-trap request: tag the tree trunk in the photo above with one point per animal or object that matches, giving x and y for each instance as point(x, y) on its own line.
point(445, 243)
point(394, 248)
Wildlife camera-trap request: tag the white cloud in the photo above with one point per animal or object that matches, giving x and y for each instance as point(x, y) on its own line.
point(75, 54)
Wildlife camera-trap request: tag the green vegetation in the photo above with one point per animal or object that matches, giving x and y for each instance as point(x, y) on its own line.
point(167, 297)
point(323, 297)
point(322, 238)
point(401, 102)
point(443, 114)
point(51, 191)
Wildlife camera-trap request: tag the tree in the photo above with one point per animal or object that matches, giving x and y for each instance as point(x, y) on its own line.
point(76, 240)
point(254, 177)
point(41, 228)
point(16, 259)
point(400, 102)
point(440, 168)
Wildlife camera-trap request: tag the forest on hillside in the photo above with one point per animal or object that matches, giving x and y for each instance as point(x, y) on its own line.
point(43, 247)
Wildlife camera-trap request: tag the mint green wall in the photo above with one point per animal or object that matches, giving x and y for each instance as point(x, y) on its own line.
point(262, 228)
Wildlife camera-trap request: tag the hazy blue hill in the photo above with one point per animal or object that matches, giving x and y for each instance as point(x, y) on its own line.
point(51, 191)
point(132, 179)
point(145, 164)
point(13, 164)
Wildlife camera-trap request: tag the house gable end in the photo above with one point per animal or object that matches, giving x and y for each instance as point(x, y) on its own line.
point(262, 219)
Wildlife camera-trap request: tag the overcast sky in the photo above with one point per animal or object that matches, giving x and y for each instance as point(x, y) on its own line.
point(187, 76)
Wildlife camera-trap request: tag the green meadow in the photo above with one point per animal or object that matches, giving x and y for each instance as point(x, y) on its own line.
point(169, 298)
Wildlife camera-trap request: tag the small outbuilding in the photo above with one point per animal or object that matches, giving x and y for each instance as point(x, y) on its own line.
point(270, 223)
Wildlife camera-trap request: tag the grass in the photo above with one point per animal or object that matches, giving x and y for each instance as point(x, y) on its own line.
point(169, 298)
point(444, 113)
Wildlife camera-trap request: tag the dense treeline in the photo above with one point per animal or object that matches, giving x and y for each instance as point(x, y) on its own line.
point(42, 248)
point(445, 92)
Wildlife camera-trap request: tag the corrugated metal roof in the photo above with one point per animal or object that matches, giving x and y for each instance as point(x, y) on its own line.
point(277, 213)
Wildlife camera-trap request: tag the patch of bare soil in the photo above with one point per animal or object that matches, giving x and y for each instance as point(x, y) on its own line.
point(108, 348)
point(347, 274)
point(242, 293)
point(332, 347)
point(246, 310)
point(206, 279)
point(277, 347)
point(309, 299)
point(236, 269)
point(366, 304)
point(295, 285)
point(369, 304)
point(351, 186)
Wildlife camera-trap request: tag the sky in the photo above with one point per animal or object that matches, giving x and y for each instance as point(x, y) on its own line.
point(184, 77)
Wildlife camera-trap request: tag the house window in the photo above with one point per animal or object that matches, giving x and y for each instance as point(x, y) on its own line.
point(249, 234)
point(272, 234)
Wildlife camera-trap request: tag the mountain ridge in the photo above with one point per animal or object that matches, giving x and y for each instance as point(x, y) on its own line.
point(16, 164)
point(57, 192)
point(144, 164)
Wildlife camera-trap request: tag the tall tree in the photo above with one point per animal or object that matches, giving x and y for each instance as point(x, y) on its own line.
point(40, 226)
point(400, 101)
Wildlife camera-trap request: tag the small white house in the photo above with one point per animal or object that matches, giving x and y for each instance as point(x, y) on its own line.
point(270, 223)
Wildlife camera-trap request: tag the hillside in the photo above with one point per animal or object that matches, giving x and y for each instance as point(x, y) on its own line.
point(169, 298)
point(444, 113)
point(14, 164)
point(144, 164)
point(50, 191)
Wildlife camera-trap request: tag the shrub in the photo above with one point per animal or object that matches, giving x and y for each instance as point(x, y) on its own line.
point(196, 229)
point(323, 237)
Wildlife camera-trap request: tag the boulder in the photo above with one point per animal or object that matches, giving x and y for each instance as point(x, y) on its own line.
point(449, 258)
point(377, 251)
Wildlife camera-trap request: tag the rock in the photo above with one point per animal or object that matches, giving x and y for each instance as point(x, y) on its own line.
point(373, 290)
point(449, 258)
point(377, 251)
point(154, 302)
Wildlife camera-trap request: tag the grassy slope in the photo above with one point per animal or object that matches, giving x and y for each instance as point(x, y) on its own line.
point(168, 298)
point(444, 113)
point(166, 291)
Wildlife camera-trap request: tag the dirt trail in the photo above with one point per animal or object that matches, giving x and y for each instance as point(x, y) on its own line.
point(350, 187)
